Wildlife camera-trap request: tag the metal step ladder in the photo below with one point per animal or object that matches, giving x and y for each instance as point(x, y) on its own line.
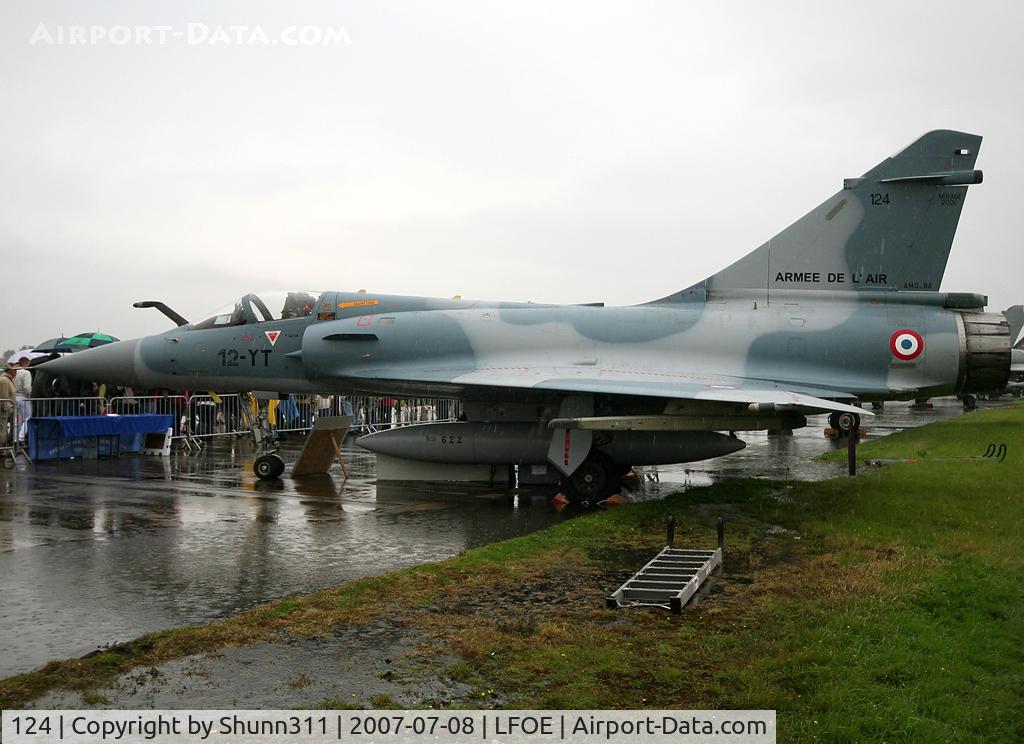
point(672, 578)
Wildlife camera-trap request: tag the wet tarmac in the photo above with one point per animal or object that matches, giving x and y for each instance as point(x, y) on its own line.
point(794, 457)
point(97, 552)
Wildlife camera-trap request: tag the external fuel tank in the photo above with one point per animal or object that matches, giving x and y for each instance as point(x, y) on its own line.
point(500, 443)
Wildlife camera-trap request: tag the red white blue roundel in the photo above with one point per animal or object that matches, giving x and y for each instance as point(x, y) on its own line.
point(906, 344)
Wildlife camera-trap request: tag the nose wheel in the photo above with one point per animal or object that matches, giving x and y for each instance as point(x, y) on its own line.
point(268, 467)
point(268, 464)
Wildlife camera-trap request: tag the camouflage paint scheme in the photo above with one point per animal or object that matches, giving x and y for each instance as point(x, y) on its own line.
point(841, 306)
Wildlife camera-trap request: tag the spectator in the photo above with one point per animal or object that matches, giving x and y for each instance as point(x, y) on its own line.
point(323, 405)
point(206, 417)
point(7, 402)
point(287, 412)
point(23, 395)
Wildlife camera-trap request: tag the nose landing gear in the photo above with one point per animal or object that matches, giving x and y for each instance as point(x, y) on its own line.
point(268, 465)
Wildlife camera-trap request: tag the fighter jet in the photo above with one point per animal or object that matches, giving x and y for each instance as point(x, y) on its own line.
point(1015, 318)
point(842, 306)
point(1015, 386)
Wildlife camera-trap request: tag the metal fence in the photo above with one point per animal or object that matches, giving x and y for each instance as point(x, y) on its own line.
point(214, 415)
point(373, 414)
point(69, 406)
point(199, 417)
point(175, 405)
point(8, 439)
point(211, 415)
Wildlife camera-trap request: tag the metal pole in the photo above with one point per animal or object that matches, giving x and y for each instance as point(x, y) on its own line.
point(851, 446)
point(670, 523)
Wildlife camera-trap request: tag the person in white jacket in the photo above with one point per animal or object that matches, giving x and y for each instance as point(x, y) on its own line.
point(23, 398)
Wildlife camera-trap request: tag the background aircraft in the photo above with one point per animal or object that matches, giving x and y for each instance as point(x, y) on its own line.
point(841, 306)
point(1016, 382)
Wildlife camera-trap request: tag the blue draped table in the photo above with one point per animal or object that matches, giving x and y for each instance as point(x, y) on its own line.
point(61, 437)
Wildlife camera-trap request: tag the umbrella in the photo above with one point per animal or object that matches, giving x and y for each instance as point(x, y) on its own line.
point(51, 345)
point(63, 345)
point(24, 353)
point(89, 341)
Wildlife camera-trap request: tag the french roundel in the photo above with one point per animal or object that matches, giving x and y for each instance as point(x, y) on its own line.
point(906, 344)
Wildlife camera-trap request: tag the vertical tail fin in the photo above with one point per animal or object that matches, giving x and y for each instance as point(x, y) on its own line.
point(890, 229)
point(1015, 317)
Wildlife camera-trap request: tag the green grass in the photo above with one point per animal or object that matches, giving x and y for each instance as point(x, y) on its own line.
point(383, 701)
point(962, 437)
point(887, 607)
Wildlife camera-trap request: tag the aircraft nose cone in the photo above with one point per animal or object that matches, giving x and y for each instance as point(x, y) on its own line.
point(113, 364)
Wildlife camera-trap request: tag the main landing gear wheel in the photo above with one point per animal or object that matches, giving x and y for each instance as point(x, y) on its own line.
point(848, 421)
point(268, 467)
point(844, 421)
point(593, 481)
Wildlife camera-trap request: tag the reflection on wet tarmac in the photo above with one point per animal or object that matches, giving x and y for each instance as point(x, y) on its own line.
point(95, 552)
point(102, 551)
point(794, 457)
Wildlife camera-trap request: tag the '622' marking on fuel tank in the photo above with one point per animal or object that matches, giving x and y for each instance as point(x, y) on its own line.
point(236, 358)
point(445, 438)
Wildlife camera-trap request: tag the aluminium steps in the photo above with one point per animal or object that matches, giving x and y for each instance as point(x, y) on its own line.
point(671, 578)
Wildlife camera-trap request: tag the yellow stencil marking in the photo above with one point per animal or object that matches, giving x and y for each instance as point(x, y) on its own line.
point(357, 303)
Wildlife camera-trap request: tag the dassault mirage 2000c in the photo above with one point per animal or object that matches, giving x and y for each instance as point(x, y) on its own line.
point(842, 306)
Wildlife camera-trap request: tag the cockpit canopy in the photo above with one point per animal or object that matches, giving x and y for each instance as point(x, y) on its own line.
point(254, 308)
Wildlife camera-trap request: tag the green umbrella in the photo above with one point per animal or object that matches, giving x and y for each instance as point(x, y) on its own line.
point(75, 343)
point(89, 340)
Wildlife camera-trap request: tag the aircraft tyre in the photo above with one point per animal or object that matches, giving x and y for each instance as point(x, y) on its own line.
point(268, 467)
point(596, 479)
point(970, 402)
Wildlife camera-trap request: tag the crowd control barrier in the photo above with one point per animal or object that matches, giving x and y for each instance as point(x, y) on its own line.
point(212, 415)
point(69, 406)
point(174, 405)
point(372, 414)
point(200, 417)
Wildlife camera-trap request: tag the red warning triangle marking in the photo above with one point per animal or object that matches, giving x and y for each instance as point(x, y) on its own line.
point(272, 336)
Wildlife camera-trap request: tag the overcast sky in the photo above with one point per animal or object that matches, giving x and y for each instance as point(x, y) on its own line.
point(557, 152)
